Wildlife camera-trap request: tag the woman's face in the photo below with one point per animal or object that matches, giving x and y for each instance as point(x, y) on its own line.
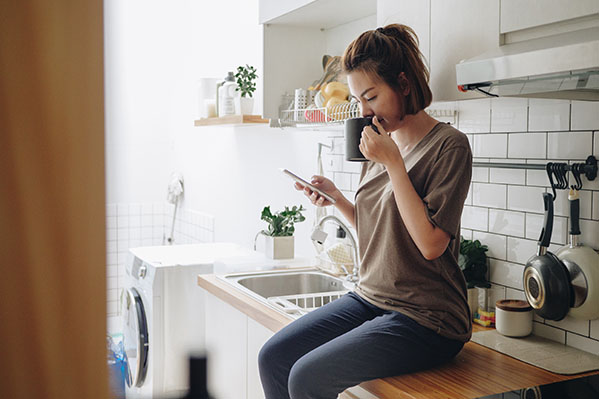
point(376, 98)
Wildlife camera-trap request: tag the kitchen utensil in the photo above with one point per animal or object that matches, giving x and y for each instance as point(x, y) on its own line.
point(583, 265)
point(513, 318)
point(546, 279)
point(353, 134)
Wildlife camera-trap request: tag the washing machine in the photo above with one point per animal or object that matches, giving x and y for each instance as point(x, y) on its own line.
point(163, 313)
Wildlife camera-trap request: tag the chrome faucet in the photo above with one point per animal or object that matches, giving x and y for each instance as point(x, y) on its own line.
point(319, 236)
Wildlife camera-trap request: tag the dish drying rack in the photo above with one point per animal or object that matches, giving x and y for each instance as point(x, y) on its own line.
point(335, 268)
point(315, 116)
point(300, 304)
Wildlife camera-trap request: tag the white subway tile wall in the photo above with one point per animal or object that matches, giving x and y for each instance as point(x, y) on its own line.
point(146, 224)
point(504, 208)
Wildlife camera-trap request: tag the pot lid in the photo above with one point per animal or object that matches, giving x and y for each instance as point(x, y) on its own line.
point(513, 305)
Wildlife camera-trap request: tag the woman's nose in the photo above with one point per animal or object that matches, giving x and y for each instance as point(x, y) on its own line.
point(366, 110)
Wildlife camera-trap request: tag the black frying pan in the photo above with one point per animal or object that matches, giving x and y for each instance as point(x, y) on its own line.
point(546, 279)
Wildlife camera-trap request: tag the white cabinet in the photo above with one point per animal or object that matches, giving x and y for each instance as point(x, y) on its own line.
point(257, 337)
point(449, 31)
point(233, 341)
point(525, 14)
point(226, 345)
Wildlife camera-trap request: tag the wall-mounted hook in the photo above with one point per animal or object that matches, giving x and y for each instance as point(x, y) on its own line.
point(549, 169)
point(576, 170)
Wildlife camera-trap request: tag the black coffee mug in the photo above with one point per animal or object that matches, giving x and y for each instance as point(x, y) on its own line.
point(353, 134)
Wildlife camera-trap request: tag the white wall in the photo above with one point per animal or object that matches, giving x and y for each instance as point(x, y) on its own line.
point(155, 53)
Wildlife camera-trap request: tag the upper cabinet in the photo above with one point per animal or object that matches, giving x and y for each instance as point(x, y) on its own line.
point(517, 15)
point(296, 36)
point(449, 31)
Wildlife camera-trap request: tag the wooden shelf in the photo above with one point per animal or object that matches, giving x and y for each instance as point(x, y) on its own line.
point(230, 120)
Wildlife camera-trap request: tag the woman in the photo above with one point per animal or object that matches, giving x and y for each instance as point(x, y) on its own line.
point(409, 310)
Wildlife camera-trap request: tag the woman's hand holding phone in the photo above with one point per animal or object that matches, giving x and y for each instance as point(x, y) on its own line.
point(323, 184)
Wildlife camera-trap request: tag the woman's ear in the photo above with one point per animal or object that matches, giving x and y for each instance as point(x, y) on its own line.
point(404, 85)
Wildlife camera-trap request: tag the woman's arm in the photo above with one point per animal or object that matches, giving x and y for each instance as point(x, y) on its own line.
point(430, 239)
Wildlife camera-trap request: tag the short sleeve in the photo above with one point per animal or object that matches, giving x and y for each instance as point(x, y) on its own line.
point(447, 187)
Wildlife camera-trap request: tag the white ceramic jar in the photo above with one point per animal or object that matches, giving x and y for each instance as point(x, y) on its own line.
point(513, 318)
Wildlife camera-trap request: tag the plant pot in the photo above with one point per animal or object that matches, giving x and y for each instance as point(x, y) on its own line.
point(246, 105)
point(279, 247)
point(473, 300)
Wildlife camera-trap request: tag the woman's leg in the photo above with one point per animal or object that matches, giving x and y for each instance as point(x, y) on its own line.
point(310, 331)
point(388, 345)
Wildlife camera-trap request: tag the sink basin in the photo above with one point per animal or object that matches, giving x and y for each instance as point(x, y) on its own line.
point(293, 292)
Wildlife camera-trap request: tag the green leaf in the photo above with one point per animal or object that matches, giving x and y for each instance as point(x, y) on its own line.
point(281, 224)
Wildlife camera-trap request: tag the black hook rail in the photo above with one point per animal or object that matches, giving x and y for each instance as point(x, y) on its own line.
point(556, 171)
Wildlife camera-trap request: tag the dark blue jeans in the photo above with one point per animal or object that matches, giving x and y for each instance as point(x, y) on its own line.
point(344, 343)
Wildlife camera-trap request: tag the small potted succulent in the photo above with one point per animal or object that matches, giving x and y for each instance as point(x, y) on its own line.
point(279, 233)
point(246, 85)
point(473, 262)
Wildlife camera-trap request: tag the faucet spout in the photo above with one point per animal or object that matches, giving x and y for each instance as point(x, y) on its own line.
point(318, 235)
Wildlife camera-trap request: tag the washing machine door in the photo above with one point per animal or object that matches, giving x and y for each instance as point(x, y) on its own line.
point(135, 338)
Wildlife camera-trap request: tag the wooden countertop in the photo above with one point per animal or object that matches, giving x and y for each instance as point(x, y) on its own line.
point(475, 372)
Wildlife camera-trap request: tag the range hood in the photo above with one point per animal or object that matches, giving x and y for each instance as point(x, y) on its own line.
point(564, 66)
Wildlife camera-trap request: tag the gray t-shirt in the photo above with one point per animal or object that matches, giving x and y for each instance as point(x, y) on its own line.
point(393, 273)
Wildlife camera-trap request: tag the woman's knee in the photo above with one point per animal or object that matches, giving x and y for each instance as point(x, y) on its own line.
point(306, 381)
point(268, 354)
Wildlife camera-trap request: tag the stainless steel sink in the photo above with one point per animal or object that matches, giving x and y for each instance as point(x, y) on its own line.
point(294, 292)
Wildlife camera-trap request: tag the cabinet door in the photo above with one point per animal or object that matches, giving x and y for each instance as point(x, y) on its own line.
point(226, 345)
point(257, 336)
point(460, 29)
point(519, 14)
point(415, 14)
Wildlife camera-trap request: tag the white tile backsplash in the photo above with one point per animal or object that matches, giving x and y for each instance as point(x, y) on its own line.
point(474, 116)
point(546, 331)
point(585, 115)
point(520, 250)
point(524, 198)
point(509, 114)
point(489, 195)
point(566, 145)
point(490, 145)
point(475, 218)
point(497, 244)
point(506, 273)
point(506, 222)
point(507, 176)
point(527, 145)
point(548, 115)
point(595, 329)
point(570, 323)
point(582, 343)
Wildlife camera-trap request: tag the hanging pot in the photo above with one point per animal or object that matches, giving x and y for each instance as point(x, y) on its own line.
point(583, 265)
point(546, 279)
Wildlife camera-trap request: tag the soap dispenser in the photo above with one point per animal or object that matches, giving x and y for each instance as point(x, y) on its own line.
point(226, 96)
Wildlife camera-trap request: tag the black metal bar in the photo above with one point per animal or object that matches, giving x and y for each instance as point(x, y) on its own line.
point(588, 168)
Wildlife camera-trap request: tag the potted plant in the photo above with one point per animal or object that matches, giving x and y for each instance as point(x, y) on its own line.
point(473, 262)
point(246, 85)
point(279, 234)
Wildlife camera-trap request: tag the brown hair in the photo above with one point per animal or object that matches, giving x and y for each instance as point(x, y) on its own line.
point(387, 52)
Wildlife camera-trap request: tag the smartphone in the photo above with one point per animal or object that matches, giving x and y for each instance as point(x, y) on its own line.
point(306, 184)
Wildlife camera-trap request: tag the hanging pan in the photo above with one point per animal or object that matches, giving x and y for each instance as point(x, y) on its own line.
point(583, 265)
point(546, 280)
